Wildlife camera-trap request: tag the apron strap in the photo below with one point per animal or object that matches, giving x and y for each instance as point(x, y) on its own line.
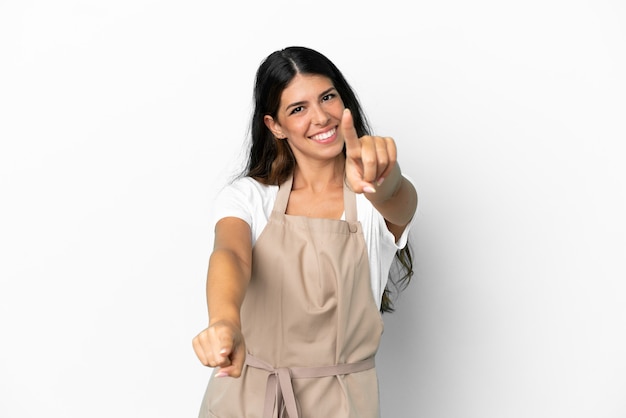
point(279, 392)
point(349, 203)
point(282, 198)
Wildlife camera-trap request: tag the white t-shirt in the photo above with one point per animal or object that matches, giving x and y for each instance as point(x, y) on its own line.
point(251, 201)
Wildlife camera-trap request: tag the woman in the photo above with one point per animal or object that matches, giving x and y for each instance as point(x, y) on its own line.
point(303, 247)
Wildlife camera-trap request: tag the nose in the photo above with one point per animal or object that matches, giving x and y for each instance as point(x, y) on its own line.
point(319, 116)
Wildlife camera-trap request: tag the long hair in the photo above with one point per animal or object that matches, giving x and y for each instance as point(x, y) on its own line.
point(271, 161)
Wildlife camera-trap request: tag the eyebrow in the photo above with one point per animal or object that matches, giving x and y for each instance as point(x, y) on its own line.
point(296, 104)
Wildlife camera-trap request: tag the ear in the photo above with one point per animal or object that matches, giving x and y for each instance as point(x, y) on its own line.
point(273, 126)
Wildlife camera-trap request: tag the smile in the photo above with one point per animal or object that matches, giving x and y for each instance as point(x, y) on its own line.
point(325, 135)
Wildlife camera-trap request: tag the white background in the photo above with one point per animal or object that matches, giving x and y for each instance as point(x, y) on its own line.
point(120, 119)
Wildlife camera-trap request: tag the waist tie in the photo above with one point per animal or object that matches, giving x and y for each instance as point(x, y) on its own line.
point(279, 390)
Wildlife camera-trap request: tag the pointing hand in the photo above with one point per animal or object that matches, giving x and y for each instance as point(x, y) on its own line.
point(369, 159)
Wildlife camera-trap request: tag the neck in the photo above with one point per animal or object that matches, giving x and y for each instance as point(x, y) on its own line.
point(319, 177)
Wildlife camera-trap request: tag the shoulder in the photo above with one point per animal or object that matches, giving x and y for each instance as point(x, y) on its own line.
point(244, 198)
point(245, 182)
point(248, 188)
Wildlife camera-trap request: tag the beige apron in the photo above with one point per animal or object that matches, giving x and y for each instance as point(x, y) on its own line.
point(310, 323)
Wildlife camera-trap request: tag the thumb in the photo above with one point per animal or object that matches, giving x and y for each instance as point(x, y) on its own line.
point(350, 137)
point(226, 346)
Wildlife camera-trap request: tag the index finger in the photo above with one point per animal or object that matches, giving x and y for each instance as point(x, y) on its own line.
point(350, 137)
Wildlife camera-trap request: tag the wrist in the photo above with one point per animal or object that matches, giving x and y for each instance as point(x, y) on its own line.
point(389, 187)
point(232, 320)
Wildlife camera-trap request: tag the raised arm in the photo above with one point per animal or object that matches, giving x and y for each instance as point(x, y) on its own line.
point(372, 169)
point(221, 344)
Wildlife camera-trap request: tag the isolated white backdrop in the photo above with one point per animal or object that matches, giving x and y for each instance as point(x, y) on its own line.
point(119, 120)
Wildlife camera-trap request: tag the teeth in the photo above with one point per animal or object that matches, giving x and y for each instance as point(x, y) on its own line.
point(323, 136)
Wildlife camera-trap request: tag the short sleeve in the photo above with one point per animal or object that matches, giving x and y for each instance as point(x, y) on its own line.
point(246, 199)
point(231, 201)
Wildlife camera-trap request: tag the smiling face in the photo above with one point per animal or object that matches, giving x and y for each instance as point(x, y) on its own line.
point(308, 118)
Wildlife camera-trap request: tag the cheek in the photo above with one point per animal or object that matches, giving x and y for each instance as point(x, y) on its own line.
point(298, 127)
point(336, 109)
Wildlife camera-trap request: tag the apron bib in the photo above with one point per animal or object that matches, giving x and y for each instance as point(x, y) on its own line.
point(310, 323)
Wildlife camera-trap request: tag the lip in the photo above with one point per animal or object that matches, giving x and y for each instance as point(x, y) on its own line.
point(327, 136)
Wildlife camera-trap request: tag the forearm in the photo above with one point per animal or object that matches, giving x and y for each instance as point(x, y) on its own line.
point(227, 281)
point(395, 198)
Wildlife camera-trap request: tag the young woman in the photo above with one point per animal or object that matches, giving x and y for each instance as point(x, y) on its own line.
point(304, 244)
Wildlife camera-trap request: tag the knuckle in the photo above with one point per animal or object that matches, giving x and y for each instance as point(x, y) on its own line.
point(368, 160)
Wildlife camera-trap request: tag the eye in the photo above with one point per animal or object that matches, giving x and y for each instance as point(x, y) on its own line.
point(328, 97)
point(297, 109)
